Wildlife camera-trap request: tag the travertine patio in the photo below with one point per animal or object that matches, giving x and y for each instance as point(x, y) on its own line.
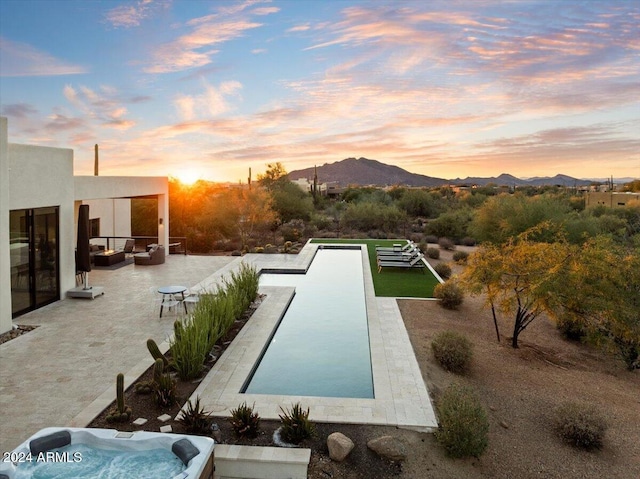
point(62, 373)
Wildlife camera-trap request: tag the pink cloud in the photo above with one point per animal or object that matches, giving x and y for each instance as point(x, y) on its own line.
point(21, 59)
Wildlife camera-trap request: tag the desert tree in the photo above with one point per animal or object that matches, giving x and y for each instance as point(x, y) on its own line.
point(519, 277)
point(274, 178)
point(601, 293)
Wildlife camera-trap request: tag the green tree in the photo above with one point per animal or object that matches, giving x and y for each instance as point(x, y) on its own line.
point(632, 186)
point(601, 291)
point(274, 178)
point(505, 216)
point(239, 213)
point(290, 203)
point(417, 203)
point(368, 216)
point(518, 278)
point(452, 224)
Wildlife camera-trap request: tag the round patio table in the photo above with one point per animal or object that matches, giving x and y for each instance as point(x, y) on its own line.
point(171, 291)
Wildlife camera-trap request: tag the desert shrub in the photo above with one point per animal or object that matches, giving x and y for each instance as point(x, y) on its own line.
point(468, 241)
point(245, 421)
point(195, 419)
point(580, 425)
point(443, 269)
point(460, 257)
point(447, 244)
point(450, 294)
point(463, 425)
point(433, 253)
point(452, 350)
point(431, 239)
point(296, 426)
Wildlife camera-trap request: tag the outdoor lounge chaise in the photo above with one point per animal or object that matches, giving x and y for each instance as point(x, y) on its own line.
point(396, 248)
point(129, 246)
point(417, 262)
point(406, 255)
point(155, 255)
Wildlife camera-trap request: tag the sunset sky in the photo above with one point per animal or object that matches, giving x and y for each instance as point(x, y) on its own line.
point(207, 89)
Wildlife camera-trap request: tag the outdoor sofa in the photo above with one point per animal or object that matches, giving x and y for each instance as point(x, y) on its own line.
point(155, 255)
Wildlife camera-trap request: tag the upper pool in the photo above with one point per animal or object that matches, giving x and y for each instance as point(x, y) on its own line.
point(321, 346)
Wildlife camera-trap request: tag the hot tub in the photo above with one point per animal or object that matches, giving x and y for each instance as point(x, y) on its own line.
point(54, 452)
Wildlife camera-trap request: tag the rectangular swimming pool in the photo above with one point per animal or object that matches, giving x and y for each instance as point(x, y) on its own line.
point(321, 346)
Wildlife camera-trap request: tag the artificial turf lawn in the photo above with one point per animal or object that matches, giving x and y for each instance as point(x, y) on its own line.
point(394, 282)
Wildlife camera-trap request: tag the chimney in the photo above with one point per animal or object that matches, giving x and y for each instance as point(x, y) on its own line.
point(95, 162)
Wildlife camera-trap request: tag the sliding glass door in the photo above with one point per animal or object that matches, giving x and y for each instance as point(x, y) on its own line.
point(35, 279)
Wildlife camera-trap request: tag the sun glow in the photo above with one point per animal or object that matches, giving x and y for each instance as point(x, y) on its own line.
point(188, 177)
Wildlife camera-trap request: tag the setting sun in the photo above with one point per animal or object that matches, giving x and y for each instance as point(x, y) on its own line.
point(188, 177)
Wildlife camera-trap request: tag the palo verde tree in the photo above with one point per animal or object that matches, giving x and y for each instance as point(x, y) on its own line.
point(519, 278)
point(601, 293)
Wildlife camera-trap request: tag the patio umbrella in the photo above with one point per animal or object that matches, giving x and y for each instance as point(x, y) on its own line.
point(83, 258)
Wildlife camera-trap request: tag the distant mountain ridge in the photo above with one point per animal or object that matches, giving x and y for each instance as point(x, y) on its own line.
point(363, 171)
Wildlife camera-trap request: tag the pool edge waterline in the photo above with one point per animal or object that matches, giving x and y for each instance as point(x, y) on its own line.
point(321, 344)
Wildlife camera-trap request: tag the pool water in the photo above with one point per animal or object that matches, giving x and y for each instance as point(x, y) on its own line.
point(92, 462)
point(321, 347)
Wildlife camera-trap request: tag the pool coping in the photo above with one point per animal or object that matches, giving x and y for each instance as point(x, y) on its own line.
point(401, 398)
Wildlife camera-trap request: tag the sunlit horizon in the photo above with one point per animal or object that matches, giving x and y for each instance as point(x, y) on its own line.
point(207, 90)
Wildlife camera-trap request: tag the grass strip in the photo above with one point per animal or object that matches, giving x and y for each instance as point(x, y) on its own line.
point(392, 282)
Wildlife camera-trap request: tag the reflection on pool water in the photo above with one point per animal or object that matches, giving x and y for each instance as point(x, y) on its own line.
point(321, 347)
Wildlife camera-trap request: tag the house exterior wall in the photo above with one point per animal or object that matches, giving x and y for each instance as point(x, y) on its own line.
point(96, 187)
point(5, 260)
point(36, 177)
point(115, 218)
point(610, 199)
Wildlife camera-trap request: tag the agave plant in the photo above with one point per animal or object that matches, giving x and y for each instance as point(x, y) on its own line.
point(296, 426)
point(195, 419)
point(245, 421)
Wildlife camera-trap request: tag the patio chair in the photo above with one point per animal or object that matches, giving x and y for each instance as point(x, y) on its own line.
point(163, 302)
point(417, 262)
point(396, 248)
point(190, 299)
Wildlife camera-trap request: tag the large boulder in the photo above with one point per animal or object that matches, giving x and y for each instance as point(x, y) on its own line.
point(339, 446)
point(389, 448)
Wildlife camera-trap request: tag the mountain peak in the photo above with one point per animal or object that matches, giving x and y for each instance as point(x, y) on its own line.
point(364, 171)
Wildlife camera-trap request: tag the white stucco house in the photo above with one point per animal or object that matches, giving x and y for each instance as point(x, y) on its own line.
point(39, 202)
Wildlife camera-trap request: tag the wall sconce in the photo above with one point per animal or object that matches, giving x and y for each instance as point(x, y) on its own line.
point(160, 221)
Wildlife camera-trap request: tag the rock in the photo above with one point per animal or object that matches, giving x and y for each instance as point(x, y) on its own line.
point(389, 448)
point(339, 446)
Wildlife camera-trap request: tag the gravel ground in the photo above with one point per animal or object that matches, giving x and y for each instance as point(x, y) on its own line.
point(520, 389)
